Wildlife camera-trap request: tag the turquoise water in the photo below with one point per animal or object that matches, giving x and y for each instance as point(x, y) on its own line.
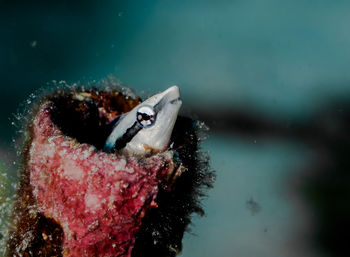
point(280, 58)
point(264, 171)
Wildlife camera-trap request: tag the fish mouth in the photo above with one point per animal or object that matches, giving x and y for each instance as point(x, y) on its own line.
point(174, 94)
point(176, 101)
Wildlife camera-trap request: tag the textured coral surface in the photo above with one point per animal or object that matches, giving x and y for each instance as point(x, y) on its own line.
point(99, 199)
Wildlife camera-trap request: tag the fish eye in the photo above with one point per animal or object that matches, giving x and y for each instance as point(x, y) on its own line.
point(146, 116)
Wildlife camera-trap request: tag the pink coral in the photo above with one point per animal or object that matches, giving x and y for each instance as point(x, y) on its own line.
point(99, 199)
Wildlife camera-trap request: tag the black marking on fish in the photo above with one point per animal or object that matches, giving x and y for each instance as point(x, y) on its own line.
point(129, 134)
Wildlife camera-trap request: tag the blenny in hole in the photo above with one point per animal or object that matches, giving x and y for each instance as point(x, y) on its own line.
point(106, 174)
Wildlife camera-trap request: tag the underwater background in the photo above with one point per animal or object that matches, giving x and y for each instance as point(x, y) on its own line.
point(270, 78)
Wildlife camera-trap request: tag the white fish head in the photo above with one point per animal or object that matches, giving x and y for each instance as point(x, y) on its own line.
point(148, 126)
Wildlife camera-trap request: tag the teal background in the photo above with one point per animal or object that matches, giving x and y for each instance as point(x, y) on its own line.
point(271, 79)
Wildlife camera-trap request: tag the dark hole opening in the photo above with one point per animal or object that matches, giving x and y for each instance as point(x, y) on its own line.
point(81, 118)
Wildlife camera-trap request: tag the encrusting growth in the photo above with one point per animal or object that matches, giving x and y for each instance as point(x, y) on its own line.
point(74, 199)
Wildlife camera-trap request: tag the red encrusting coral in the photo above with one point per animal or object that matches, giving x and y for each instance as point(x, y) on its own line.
point(99, 199)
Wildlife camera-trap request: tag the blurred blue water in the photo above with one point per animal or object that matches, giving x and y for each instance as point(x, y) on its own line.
point(263, 171)
point(281, 57)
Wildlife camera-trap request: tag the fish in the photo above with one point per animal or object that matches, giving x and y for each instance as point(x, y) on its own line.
point(148, 126)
